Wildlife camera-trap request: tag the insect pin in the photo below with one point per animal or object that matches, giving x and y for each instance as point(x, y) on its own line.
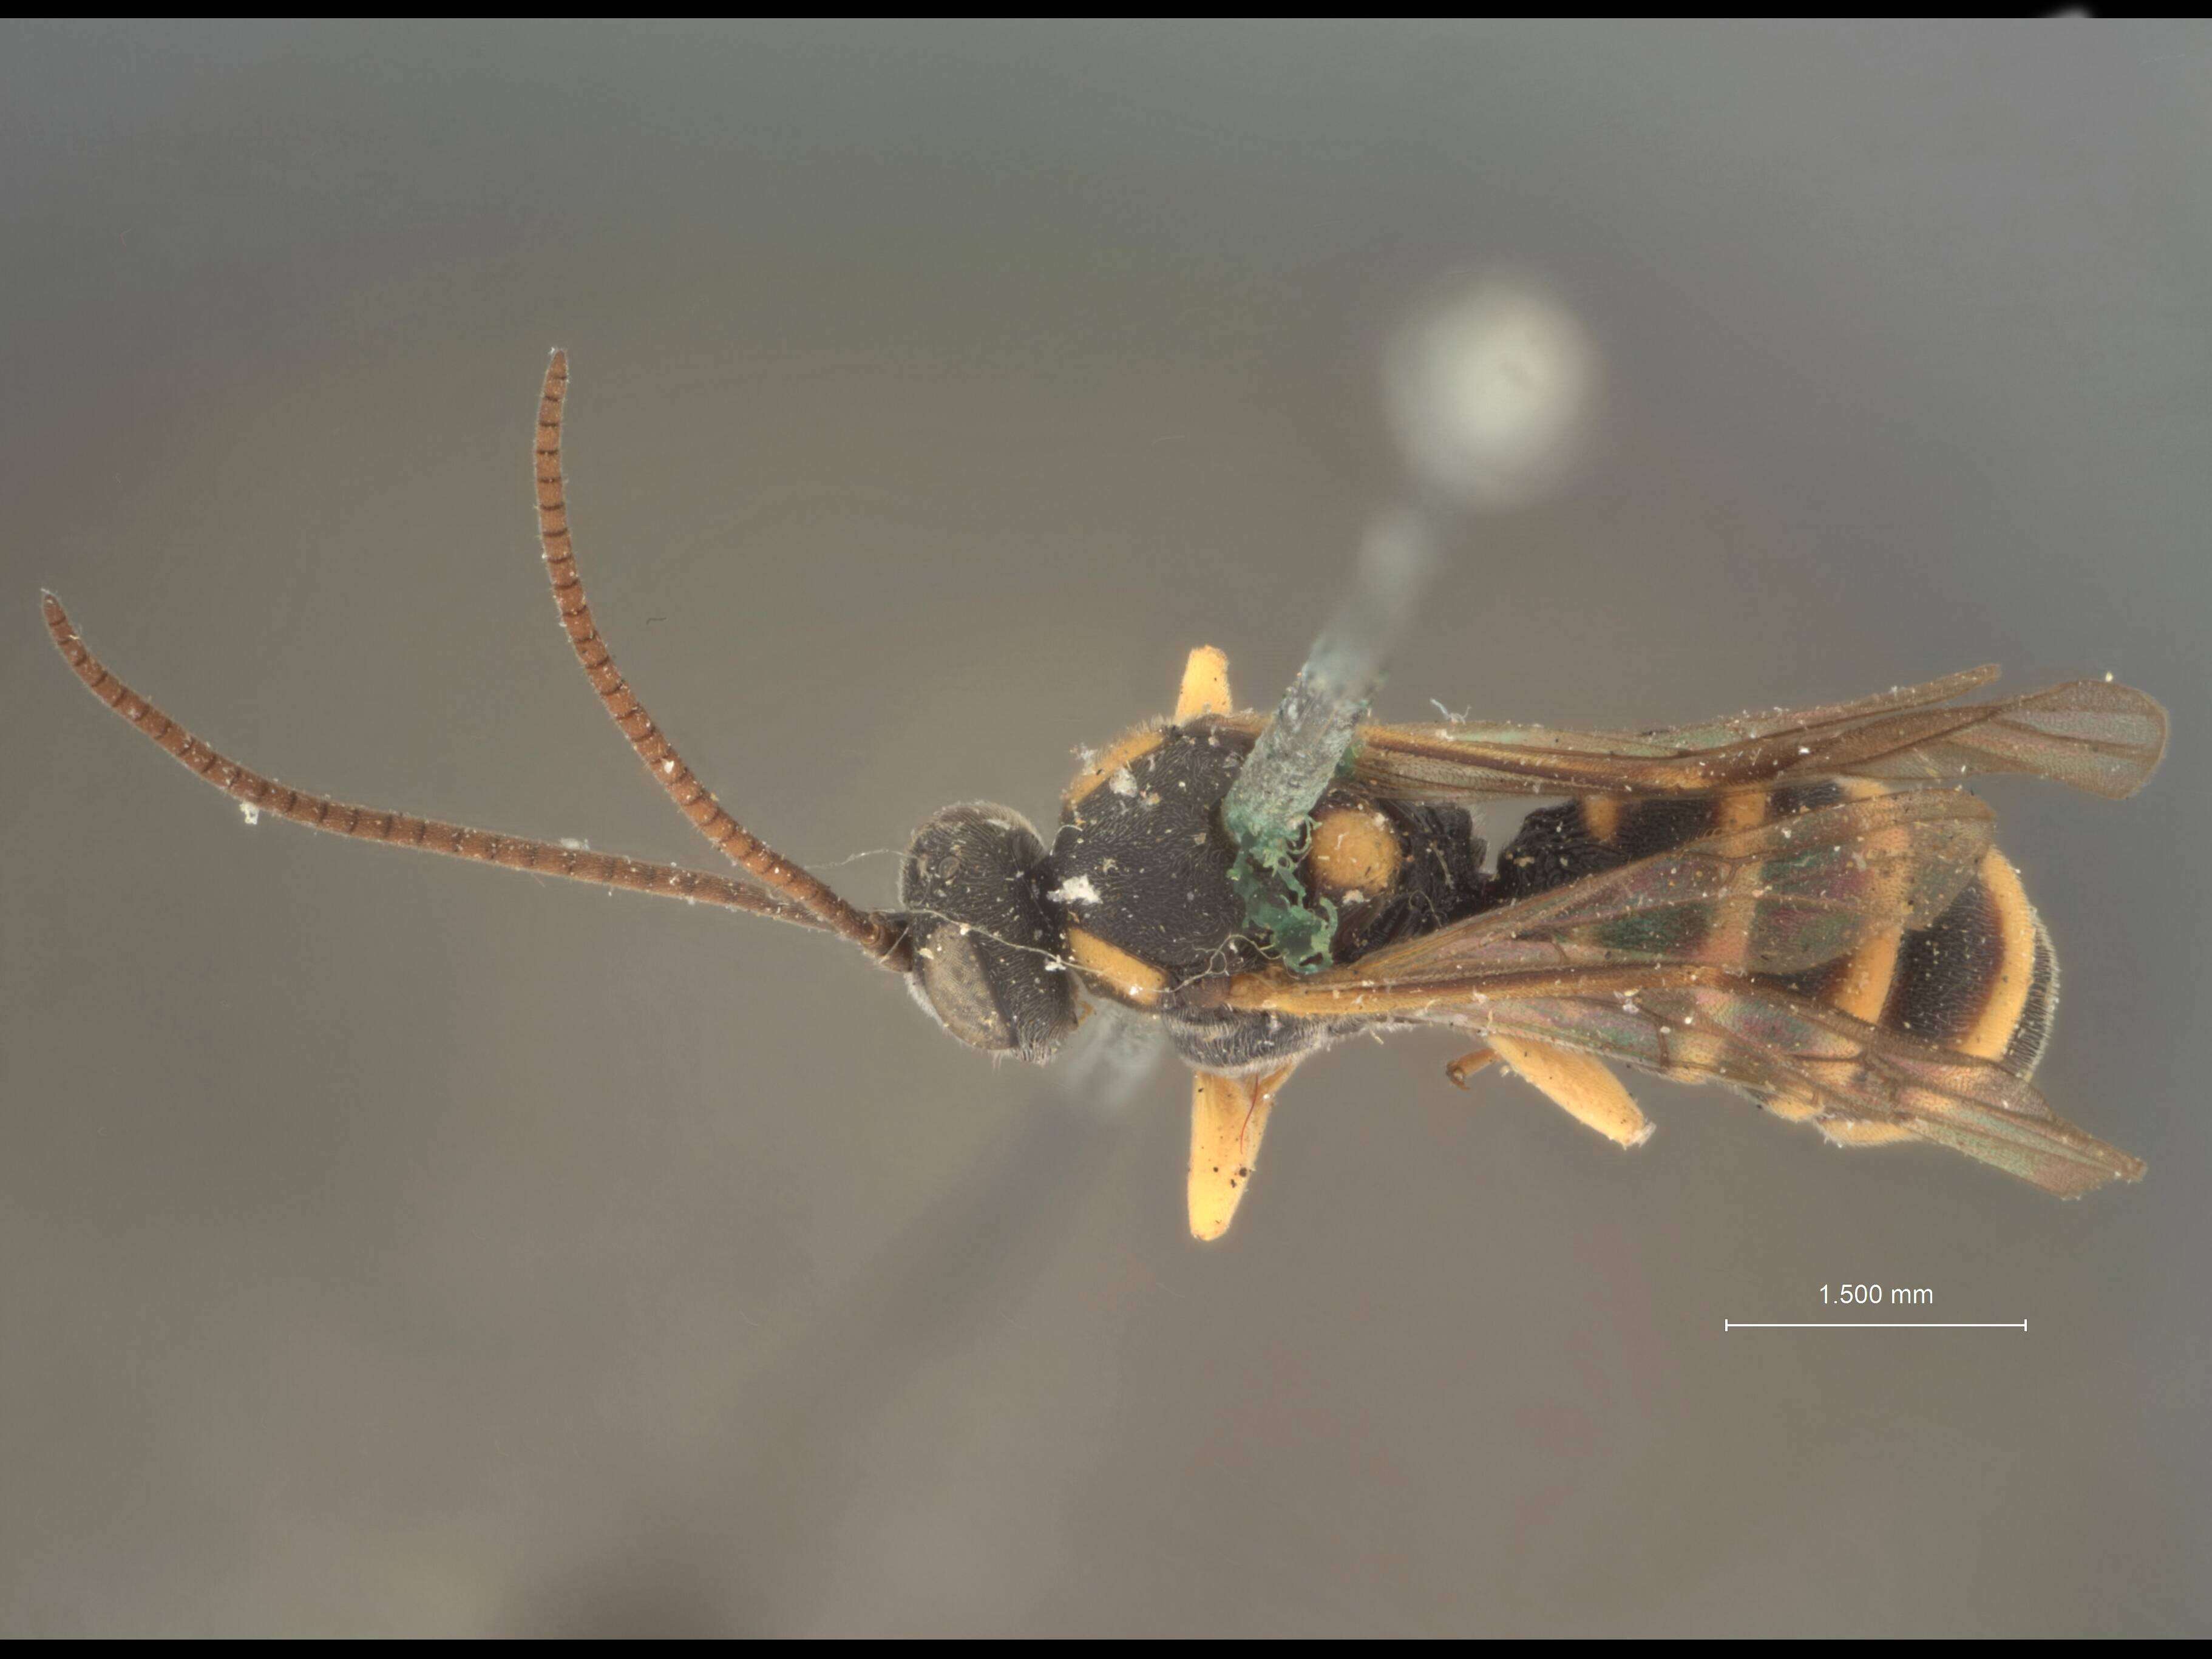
point(1804, 906)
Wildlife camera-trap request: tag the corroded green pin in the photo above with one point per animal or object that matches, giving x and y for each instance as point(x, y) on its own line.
point(1309, 740)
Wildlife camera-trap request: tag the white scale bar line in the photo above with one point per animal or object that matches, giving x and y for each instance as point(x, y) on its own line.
point(1876, 1325)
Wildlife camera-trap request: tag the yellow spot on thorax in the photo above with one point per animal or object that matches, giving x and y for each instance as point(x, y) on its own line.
point(1113, 972)
point(1128, 747)
point(1355, 848)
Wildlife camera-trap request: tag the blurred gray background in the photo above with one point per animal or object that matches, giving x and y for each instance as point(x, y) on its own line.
point(392, 1245)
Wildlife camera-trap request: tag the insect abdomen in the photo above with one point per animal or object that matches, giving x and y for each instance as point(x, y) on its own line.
point(1981, 978)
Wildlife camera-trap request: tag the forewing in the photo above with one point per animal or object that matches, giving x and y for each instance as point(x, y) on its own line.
point(2092, 734)
point(1778, 897)
point(1772, 722)
point(2095, 735)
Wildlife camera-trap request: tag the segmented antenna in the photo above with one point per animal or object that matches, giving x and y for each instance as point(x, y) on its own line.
point(261, 794)
point(877, 934)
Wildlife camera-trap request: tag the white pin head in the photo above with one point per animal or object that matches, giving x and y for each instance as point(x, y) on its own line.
point(1490, 389)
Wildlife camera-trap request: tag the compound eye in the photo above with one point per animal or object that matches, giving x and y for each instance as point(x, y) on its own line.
point(955, 982)
point(988, 951)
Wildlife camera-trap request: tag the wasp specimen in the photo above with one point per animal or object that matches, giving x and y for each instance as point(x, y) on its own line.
point(1802, 906)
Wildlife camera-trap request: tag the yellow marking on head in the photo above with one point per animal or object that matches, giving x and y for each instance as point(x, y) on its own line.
point(1601, 818)
point(1130, 746)
point(1228, 1115)
point(1580, 1086)
point(1114, 972)
point(1205, 686)
point(1355, 848)
point(2016, 965)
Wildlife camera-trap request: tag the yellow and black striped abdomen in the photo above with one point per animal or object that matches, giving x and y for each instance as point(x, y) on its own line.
point(1981, 978)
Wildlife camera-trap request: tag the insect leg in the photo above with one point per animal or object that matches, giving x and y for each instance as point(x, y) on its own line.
point(1205, 686)
point(1579, 1085)
point(1462, 1070)
point(1228, 1115)
point(877, 934)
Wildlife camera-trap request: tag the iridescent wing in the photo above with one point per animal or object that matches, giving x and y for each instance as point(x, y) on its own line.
point(1650, 965)
point(1853, 1076)
point(2092, 734)
point(1857, 1082)
point(1777, 897)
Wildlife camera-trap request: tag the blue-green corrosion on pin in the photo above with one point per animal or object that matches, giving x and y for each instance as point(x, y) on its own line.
point(1310, 743)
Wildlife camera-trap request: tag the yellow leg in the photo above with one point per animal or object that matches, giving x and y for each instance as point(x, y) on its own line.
point(1579, 1086)
point(1792, 1109)
point(1843, 1131)
point(1205, 686)
point(1228, 1115)
point(1468, 1064)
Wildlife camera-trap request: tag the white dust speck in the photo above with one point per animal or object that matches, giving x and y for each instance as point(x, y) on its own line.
point(573, 845)
point(668, 765)
point(249, 812)
point(1078, 891)
point(1124, 783)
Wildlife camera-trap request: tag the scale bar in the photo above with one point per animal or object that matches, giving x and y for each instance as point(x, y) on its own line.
point(1876, 1325)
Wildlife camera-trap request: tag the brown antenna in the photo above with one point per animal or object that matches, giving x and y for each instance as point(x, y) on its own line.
point(877, 934)
point(262, 794)
point(794, 896)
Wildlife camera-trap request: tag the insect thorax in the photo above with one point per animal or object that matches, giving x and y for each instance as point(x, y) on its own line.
point(1139, 873)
